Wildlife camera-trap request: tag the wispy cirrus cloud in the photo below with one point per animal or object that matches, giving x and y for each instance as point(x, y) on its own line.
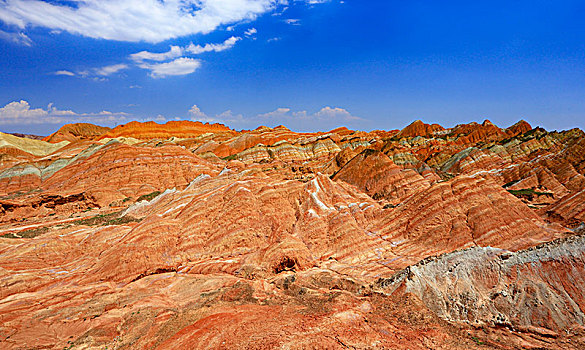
point(65, 72)
point(150, 21)
point(16, 38)
point(132, 20)
point(293, 21)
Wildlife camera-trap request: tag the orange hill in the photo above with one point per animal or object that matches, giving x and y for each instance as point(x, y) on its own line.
point(152, 130)
point(76, 132)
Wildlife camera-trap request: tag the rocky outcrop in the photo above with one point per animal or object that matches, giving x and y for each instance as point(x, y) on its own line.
point(540, 289)
point(77, 132)
point(190, 235)
point(418, 128)
point(118, 171)
point(375, 173)
point(152, 130)
point(34, 147)
point(518, 128)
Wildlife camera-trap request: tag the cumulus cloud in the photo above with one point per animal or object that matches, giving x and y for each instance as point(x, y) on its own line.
point(325, 118)
point(150, 21)
point(227, 117)
point(20, 113)
point(177, 65)
point(174, 52)
point(278, 113)
point(325, 114)
point(180, 66)
point(227, 44)
point(328, 113)
point(196, 113)
point(250, 32)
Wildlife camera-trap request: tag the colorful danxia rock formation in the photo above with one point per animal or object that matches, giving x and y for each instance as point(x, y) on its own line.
point(195, 236)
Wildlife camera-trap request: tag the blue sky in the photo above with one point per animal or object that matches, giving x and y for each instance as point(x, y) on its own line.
point(307, 64)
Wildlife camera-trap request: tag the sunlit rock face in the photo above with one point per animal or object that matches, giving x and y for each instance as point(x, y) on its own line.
point(77, 132)
point(191, 235)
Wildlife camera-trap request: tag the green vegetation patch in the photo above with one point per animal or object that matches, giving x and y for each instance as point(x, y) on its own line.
point(508, 184)
point(528, 192)
point(106, 220)
point(230, 157)
point(148, 197)
point(30, 233)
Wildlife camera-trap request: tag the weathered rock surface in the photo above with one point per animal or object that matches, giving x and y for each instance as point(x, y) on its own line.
point(418, 128)
point(375, 173)
point(77, 132)
point(539, 290)
point(152, 130)
point(190, 235)
point(34, 147)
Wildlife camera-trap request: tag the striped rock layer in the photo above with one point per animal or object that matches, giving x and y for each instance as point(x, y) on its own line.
point(191, 235)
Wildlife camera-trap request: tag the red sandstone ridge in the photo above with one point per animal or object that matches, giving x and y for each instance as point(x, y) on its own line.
point(418, 128)
point(376, 174)
point(76, 132)
point(152, 130)
point(474, 132)
point(519, 128)
point(190, 235)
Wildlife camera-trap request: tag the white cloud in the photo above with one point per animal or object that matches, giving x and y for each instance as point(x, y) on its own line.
point(293, 21)
point(180, 66)
point(326, 118)
point(228, 117)
point(64, 72)
point(325, 114)
point(136, 20)
point(227, 44)
point(250, 32)
point(98, 73)
point(133, 20)
point(174, 52)
point(278, 113)
point(196, 113)
point(109, 70)
point(20, 112)
point(328, 113)
point(17, 38)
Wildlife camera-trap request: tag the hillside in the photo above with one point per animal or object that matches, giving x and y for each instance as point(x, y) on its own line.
point(192, 235)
